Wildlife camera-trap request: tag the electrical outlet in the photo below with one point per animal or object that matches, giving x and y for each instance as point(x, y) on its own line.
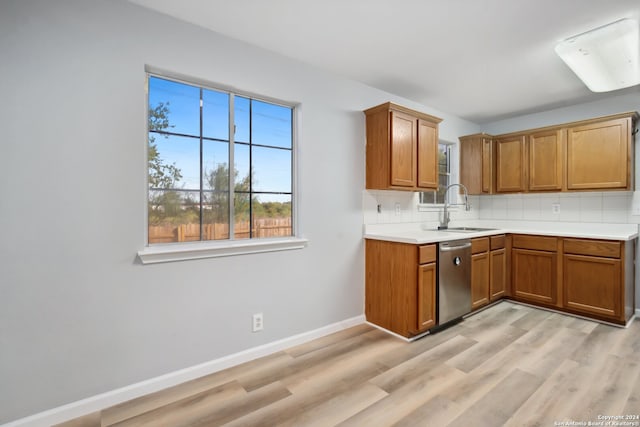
point(398, 209)
point(258, 323)
point(555, 208)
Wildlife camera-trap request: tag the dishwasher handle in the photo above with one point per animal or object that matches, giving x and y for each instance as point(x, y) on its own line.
point(444, 247)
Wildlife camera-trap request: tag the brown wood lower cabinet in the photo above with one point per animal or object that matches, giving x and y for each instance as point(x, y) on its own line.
point(488, 270)
point(498, 267)
point(592, 284)
point(534, 276)
point(480, 274)
point(479, 280)
point(534, 269)
point(498, 274)
point(427, 280)
point(596, 276)
point(588, 277)
point(593, 278)
point(400, 286)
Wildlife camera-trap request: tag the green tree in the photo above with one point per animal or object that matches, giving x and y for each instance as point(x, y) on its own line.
point(276, 209)
point(217, 180)
point(161, 175)
point(165, 207)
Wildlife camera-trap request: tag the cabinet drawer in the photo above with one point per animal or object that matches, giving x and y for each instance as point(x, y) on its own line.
point(497, 242)
point(427, 254)
point(479, 244)
point(601, 248)
point(540, 243)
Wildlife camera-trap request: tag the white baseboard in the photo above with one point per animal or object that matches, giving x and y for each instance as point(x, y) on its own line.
point(638, 313)
point(114, 397)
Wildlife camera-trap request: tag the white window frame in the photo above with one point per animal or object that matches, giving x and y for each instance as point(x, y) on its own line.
point(181, 251)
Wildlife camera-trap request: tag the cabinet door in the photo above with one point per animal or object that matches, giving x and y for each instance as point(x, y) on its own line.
point(498, 274)
point(476, 163)
point(510, 164)
point(487, 166)
point(427, 154)
point(404, 135)
point(592, 285)
point(534, 276)
point(598, 155)
point(426, 296)
point(471, 163)
point(546, 159)
point(479, 280)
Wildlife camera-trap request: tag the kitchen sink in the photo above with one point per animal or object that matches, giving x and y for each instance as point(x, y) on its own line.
point(465, 229)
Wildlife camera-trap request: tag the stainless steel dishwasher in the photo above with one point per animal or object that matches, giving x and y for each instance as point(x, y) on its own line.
point(454, 280)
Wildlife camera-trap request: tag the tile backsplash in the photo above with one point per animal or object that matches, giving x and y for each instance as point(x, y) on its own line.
point(605, 207)
point(402, 207)
point(609, 207)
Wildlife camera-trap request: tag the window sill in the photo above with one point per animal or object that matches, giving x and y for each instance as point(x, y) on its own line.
point(198, 250)
point(429, 207)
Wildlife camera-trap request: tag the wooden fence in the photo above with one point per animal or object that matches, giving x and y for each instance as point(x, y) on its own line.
point(262, 227)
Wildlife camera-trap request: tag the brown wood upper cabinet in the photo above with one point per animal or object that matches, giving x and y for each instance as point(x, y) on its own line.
point(511, 166)
point(594, 154)
point(546, 160)
point(476, 163)
point(599, 154)
point(402, 149)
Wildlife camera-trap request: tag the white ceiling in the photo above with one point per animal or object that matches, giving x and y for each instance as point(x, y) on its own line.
point(482, 60)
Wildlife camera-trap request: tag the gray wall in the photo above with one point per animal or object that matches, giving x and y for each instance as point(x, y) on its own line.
point(613, 104)
point(79, 315)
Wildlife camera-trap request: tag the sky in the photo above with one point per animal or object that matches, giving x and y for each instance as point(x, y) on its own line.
point(271, 125)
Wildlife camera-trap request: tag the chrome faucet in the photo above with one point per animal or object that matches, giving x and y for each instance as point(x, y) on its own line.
point(444, 222)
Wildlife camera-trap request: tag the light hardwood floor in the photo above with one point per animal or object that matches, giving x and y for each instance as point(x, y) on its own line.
point(509, 365)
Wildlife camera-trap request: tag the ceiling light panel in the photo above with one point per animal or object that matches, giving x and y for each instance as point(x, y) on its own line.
point(606, 58)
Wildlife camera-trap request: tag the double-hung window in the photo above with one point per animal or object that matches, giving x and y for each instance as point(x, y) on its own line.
point(444, 177)
point(220, 164)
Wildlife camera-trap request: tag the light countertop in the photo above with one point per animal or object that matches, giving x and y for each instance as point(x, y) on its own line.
point(417, 233)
